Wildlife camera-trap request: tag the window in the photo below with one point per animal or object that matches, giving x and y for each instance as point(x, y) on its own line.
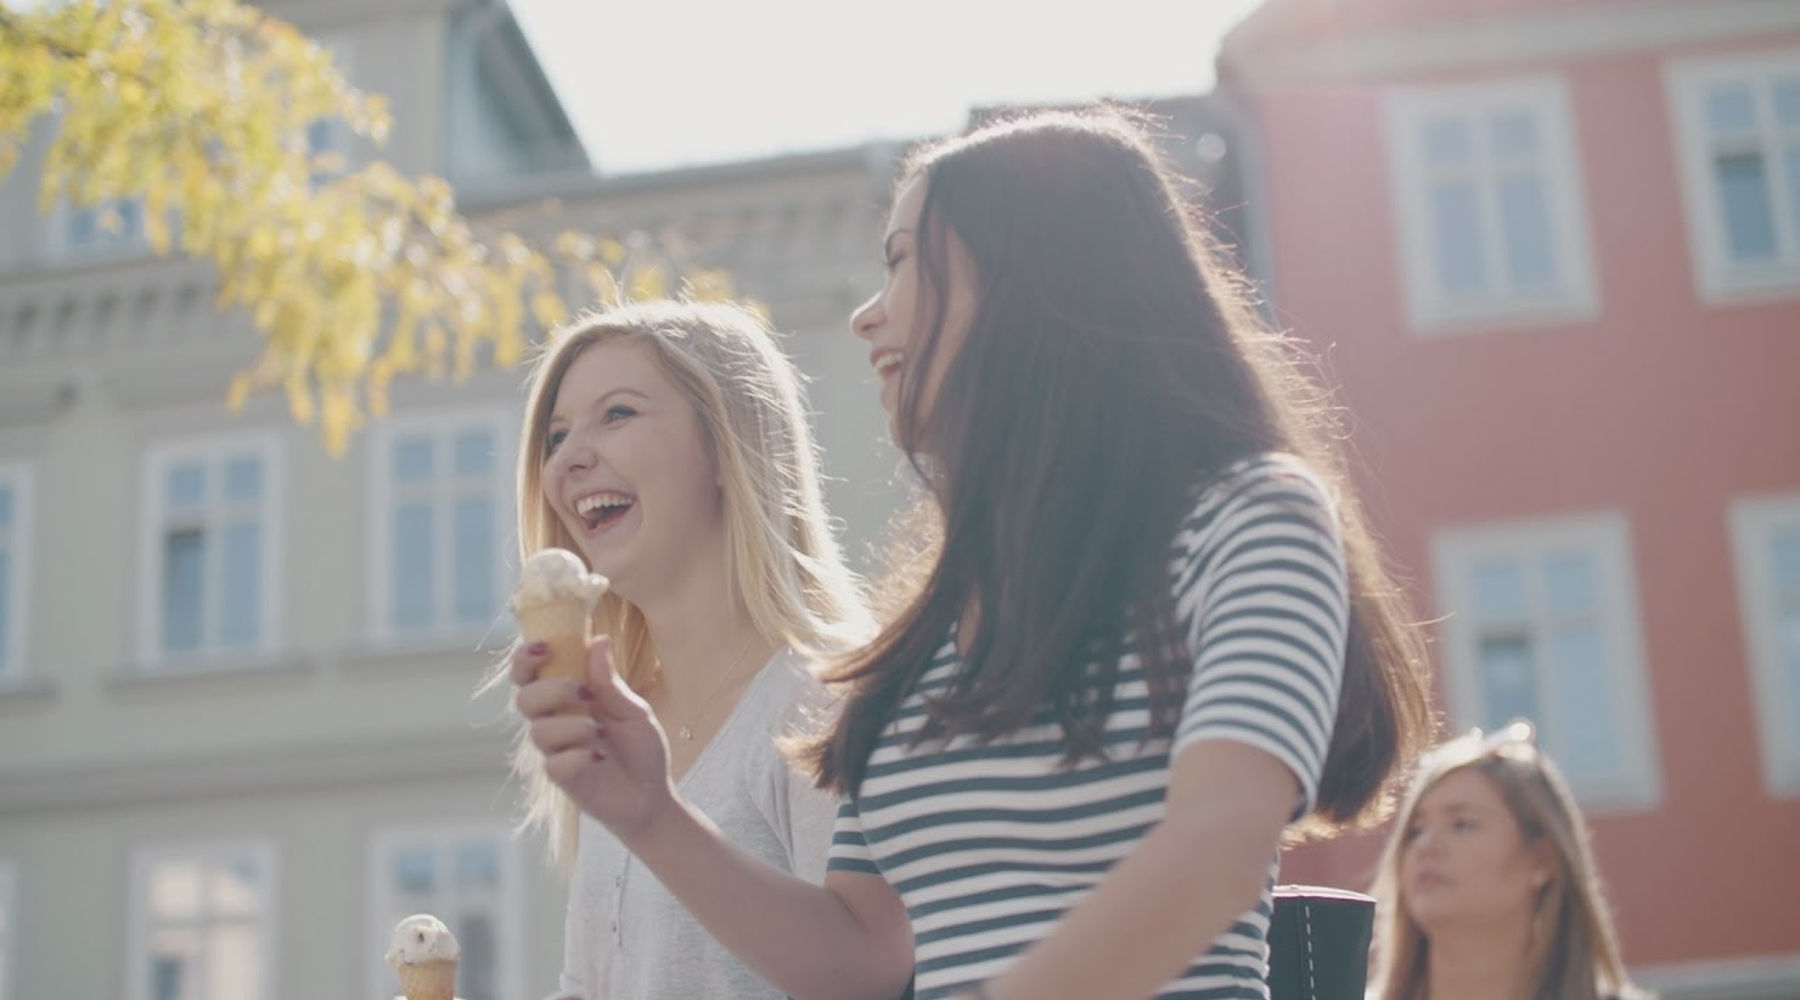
point(114, 224)
point(1541, 623)
point(443, 526)
point(470, 879)
point(332, 137)
point(1765, 533)
point(9, 926)
point(1737, 135)
point(15, 568)
point(202, 922)
point(211, 549)
point(1492, 224)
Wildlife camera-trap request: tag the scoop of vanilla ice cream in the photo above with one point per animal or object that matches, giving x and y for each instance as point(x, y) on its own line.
point(557, 575)
point(421, 938)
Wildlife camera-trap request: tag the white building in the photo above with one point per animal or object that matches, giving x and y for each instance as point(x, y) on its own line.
point(237, 732)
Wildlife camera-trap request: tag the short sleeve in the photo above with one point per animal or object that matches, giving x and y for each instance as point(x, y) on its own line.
point(849, 848)
point(1261, 593)
point(801, 814)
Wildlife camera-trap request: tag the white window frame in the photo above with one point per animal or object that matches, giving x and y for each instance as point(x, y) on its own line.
point(1717, 278)
point(1751, 521)
point(1429, 310)
point(138, 934)
point(509, 916)
point(211, 450)
point(9, 928)
point(441, 425)
point(1606, 536)
point(18, 477)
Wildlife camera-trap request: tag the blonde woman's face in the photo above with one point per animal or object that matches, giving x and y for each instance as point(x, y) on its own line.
point(1464, 860)
point(628, 473)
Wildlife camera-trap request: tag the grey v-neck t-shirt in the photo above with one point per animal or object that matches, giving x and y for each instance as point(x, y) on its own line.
point(625, 936)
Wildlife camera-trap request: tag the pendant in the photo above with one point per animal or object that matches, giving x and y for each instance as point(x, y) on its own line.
point(685, 732)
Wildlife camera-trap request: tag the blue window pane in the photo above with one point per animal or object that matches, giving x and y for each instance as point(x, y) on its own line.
point(186, 487)
point(131, 219)
point(1787, 640)
point(1749, 215)
point(320, 135)
point(243, 478)
point(184, 554)
point(240, 620)
point(1784, 555)
point(1498, 590)
point(475, 453)
point(475, 559)
point(1588, 744)
point(1787, 101)
point(412, 459)
point(6, 507)
point(1456, 238)
point(477, 864)
point(1525, 219)
point(84, 226)
point(412, 571)
point(1730, 107)
point(1790, 157)
point(6, 624)
point(166, 974)
point(1514, 135)
point(1569, 583)
point(1508, 680)
point(414, 872)
point(1447, 142)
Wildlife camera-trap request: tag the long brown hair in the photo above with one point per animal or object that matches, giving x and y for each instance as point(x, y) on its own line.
point(1574, 951)
point(1113, 366)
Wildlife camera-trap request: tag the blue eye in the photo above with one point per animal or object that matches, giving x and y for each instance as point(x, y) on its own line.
point(614, 414)
point(553, 439)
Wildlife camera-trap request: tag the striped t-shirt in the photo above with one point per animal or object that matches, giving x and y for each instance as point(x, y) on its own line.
point(989, 845)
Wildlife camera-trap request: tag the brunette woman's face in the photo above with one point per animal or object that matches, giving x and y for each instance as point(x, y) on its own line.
point(897, 320)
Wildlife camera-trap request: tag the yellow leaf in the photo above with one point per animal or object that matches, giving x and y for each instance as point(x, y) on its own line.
point(647, 283)
point(238, 393)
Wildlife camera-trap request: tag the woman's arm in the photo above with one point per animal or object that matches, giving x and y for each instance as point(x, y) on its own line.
point(1178, 890)
point(848, 939)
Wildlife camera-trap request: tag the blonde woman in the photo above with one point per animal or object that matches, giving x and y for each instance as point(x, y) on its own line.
point(667, 445)
point(1488, 887)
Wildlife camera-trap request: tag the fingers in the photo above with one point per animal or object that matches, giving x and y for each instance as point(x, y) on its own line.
point(612, 697)
point(556, 733)
point(557, 696)
point(527, 660)
point(566, 767)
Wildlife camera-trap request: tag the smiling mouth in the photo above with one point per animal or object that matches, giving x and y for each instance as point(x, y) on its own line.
point(603, 510)
point(889, 364)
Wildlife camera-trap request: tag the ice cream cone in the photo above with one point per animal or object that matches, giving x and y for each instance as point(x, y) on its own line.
point(423, 955)
point(435, 980)
point(554, 605)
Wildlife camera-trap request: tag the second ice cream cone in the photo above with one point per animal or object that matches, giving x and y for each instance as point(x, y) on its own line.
point(428, 980)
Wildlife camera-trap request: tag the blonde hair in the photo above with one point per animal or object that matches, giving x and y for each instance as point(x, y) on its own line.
point(1574, 950)
point(780, 551)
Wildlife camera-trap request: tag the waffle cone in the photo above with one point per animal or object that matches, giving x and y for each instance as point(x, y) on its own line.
point(563, 626)
point(428, 980)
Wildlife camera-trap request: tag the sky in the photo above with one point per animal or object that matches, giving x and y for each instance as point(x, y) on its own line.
point(654, 84)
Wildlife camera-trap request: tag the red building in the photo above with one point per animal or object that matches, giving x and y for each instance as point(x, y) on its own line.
point(1550, 250)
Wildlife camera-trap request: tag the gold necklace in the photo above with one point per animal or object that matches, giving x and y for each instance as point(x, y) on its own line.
point(686, 731)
